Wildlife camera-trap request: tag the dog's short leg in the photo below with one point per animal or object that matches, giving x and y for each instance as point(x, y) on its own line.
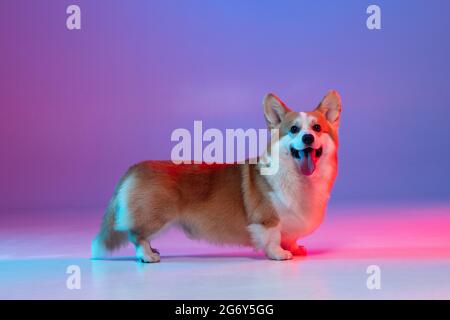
point(144, 252)
point(269, 240)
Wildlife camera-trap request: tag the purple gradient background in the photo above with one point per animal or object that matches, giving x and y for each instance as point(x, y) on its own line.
point(79, 107)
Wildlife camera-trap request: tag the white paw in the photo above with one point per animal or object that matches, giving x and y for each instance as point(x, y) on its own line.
point(279, 254)
point(147, 255)
point(149, 258)
point(299, 251)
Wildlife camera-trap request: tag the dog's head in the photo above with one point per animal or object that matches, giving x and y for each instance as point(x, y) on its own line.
point(306, 137)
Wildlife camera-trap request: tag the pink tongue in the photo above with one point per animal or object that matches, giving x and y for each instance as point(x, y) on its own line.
point(307, 162)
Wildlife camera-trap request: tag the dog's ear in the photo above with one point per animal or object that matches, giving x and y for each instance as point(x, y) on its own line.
point(331, 107)
point(274, 110)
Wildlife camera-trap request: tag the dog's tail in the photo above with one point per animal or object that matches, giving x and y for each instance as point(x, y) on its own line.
point(108, 238)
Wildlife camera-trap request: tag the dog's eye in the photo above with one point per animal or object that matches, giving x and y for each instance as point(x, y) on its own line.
point(295, 129)
point(317, 127)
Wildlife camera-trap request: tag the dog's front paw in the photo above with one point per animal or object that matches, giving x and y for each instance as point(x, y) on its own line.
point(279, 254)
point(299, 251)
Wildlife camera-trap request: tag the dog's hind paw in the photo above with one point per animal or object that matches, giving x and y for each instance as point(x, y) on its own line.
point(149, 258)
point(146, 254)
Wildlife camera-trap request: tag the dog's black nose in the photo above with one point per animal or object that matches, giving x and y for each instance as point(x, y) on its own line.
point(308, 139)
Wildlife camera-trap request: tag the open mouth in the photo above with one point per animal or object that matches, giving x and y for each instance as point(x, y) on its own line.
point(307, 159)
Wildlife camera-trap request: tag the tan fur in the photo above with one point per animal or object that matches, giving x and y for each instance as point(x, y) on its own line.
point(224, 204)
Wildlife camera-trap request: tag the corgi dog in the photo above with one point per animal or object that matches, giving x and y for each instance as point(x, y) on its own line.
point(234, 203)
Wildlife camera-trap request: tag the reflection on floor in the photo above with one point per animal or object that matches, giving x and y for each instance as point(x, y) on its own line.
point(411, 246)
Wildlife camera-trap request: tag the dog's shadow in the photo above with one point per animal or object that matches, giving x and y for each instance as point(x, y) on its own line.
point(185, 257)
point(231, 256)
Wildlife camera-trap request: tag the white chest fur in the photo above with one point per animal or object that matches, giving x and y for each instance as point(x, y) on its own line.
point(301, 201)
